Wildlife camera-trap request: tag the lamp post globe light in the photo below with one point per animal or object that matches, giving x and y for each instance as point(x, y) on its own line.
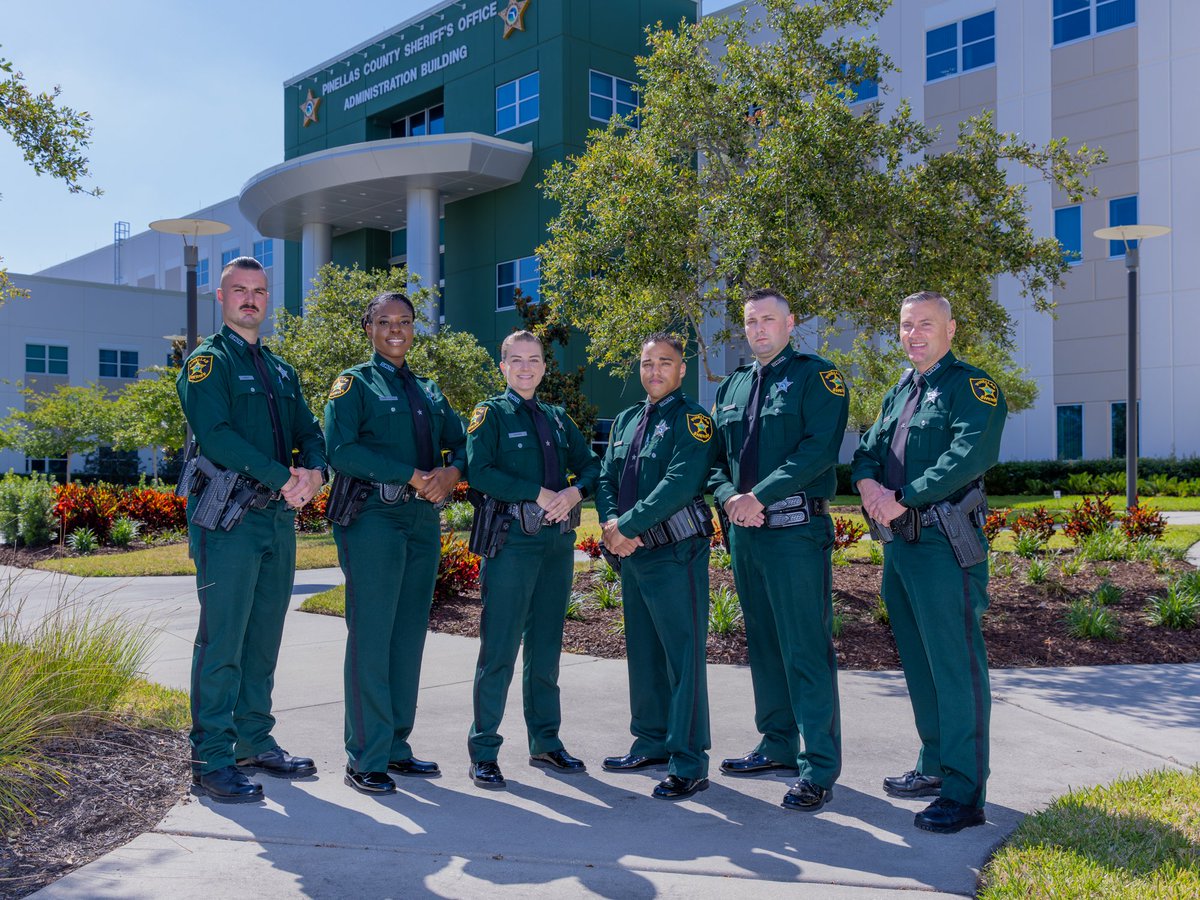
point(195, 228)
point(1125, 234)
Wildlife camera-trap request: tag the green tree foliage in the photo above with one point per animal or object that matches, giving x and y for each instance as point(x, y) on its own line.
point(147, 414)
point(559, 387)
point(52, 136)
point(843, 209)
point(68, 420)
point(329, 338)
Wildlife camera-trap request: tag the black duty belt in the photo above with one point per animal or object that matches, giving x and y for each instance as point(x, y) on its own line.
point(797, 509)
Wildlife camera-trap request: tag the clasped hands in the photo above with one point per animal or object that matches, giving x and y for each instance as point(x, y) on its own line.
point(557, 505)
point(616, 542)
point(879, 502)
point(745, 510)
point(302, 486)
point(436, 484)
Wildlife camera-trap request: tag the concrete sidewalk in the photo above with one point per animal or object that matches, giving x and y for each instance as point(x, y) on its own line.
point(601, 834)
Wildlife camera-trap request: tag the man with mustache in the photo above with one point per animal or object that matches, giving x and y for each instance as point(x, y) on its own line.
point(248, 415)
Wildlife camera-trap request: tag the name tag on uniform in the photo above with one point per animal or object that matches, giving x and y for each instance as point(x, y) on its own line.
point(728, 407)
point(518, 434)
point(387, 399)
point(245, 378)
point(618, 443)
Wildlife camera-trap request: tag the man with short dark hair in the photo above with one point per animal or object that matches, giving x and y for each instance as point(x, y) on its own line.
point(937, 434)
point(780, 423)
point(248, 415)
point(651, 505)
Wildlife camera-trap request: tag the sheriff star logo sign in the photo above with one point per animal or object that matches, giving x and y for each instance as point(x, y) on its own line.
point(513, 16)
point(985, 390)
point(309, 107)
point(700, 427)
point(199, 368)
point(834, 382)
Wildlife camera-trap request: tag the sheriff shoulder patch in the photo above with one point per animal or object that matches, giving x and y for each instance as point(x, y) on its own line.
point(477, 418)
point(340, 386)
point(985, 390)
point(700, 427)
point(199, 367)
point(834, 383)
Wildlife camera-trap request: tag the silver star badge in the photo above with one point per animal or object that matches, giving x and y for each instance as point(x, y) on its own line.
point(283, 375)
point(782, 386)
point(660, 429)
point(932, 395)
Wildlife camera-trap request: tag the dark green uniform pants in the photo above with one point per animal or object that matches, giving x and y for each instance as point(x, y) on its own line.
point(244, 579)
point(525, 590)
point(390, 558)
point(665, 594)
point(784, 585)
point(935, 609)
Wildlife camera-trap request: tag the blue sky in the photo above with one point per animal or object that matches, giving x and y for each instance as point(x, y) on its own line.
point(187, 102)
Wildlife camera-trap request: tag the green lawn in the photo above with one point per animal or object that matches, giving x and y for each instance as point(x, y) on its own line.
point(1134, 838)
point(313, 551)
point(1063, 504)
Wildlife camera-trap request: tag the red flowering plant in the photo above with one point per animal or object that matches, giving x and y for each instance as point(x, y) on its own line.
point(846, 531)
point(458, 569)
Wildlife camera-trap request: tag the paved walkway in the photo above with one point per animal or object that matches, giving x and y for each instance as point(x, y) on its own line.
point(601, 834)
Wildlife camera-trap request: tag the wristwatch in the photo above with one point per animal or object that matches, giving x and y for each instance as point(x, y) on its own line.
point(899, 495)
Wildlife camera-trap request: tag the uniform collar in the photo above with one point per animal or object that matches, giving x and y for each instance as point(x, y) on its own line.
point(511, 394)
point(237, 340)
point(387, 366)
point(666, 401)
point(940, 367)
point(776, 364)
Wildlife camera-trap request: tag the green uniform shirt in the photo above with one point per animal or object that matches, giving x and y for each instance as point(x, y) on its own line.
point(677, 457)
point(953, 437)
point(369, 424)
point(225, 402)
point(503, 456)
point(804, 418)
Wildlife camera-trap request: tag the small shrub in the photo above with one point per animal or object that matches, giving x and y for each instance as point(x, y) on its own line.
point(875, 553)
point(839, 558)
point(124, 531)
point(838, 622)
point(83, 540)
point(458, 517)
point(35, 521)
point(1189, 581)
point(310, 518)
point(1038, 571)
point(1081, 483)
point(1091, 622)
point(458, 569)
point(588, 545)
point(1102, 571)
point(721, 558)
point(1104, 545)
point(575, 608)
point(997, 520)
point(1002, 565)
point(1071, 566)
point(618, 627)
point(1178, 609)
point(1107, 593)
point(11, 489)
point(1037, 522)
point(846, 532)
point(1090, 515)
point(1029, 544)
point(609, 575)
point(1143, 522)
point(724, 611)
point(608, 596)
point(879, 612)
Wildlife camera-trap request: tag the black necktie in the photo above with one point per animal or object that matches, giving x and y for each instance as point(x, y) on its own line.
point(551, 477)
point(426, 456)
point(748, 469)
point(627, 497)
point(281, 452)
point(893, 474)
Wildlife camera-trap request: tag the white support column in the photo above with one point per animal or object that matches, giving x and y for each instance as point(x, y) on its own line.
point(316, 251)
point(424, 212)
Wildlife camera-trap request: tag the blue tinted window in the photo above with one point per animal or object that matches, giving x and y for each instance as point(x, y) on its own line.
point(1121, 211)
point(978, 55)
point(1061, 7)
point(56, 360)
point(1070, 431)
point(517, 102)
point(1076, 19)
point(1072, 27)
point(977, 28)
point(944, 38)
point(941, 64)
point(1113, 14)
point(522, 274)
point(867, 89)
point(609, 96)
point(228, 256)
point(1068, 229)
point(506, 94)
point(202, 275)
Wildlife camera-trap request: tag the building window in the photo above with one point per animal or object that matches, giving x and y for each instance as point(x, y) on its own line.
point(600, 439)
point(610, 96)
point(45, 359)
point(48, 465)
point(264, 252)
point(518, 274)
point(228, 256)
point(517, 102)
point(1068, 230)
point(1122, 211)
point(118, 363)
point(1117, 418)
point(1070, 431)
point(960, 46)
point(202, 275)
point(431, 120)
point(1078, 19)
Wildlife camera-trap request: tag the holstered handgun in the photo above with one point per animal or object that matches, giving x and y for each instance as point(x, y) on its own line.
point(879, 532)
point(611, 558)
point(954, 519)
point(723, 521)
point(346, 499)
point(215, 496)
point(248, 494)
point(693, 520)
point(489, 525)
point(190, 478)
point(908, 526)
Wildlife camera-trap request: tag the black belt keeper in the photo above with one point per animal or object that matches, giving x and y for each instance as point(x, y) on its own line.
point(693, 520)
point(794, 510)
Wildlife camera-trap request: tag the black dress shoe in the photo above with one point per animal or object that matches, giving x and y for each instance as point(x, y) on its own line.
point(675, 788)
point(946, 816)
point(913, 784)
point(806, 796)
point(227, 785)
point(558, 759)
point(754, 763)
point(631, 761)
point(414, 767)
point(370, 782)
point(487, 774)
point(280, 763)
